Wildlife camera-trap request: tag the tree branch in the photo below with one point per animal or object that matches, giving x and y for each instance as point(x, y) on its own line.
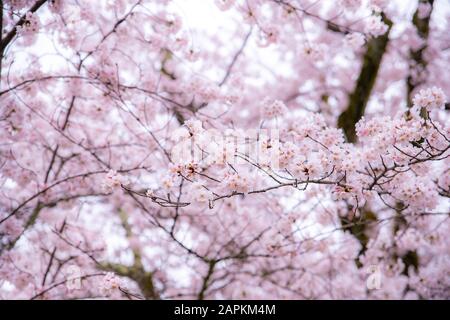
point(419, 63)
point(360, 96)
point(11, 34)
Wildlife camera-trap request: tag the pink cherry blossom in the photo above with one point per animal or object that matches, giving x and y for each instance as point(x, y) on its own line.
point(430, 98)
point(355, 40)
point(110, 282)
point(375, 26)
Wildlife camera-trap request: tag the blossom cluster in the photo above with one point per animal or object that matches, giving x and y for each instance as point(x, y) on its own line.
point(429, 99)
point(313, 153)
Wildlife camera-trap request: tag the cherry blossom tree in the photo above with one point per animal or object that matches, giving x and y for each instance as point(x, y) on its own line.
point(298, 149)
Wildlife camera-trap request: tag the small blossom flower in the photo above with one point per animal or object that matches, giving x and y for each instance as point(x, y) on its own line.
point(431, 98)
point(237, 183)
point(150, 193)
point(287, 153)
point(273, 108)
point(314, 52)
point(378, 5)
point(55, 5)
point(30, 25)
point(268, 35)
point(355, 40)
point(195, 126)
point(375, 26)
point(113, 180)
point(423, 10)
point(110, 282)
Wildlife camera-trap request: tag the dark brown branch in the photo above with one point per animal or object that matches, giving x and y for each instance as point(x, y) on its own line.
point(11, 34)
point(360, 96)
point(206, 281)
point(419, 64)
point(50, 262)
